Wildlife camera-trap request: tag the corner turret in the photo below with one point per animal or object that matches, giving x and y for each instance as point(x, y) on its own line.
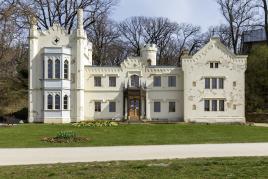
point(148, 54)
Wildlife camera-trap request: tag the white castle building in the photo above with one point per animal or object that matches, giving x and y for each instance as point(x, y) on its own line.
point(65, 87)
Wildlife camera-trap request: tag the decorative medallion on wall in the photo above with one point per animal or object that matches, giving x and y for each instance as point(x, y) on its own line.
point(56, 40)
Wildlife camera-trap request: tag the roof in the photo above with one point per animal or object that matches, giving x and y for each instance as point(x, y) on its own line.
point(254, 36)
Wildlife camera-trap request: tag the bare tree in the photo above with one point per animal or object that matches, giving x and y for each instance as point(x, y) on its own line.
point(239, 15)
point(64, 11)
point(103, 34)
point(132, 33)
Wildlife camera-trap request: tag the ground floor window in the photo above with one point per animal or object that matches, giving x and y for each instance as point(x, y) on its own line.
point(49, 101)
point(157, 107)
point(112, 107)
point(215, 104)
point(65, 102)
point(57, 101)
point(172, 107)
point(97, 106)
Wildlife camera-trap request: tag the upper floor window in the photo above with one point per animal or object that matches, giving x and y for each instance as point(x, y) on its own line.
point(172, 107)
point(97, 81)
point(97, 106)
point(50, 69)
point(135, 81)
point(65, 102)
point(112, 107)
point(66, 69)
point(217, 83)
point(149, 62)
point(157, 107)
point(157, 81)
point(57, 68)
point(172, 81)
point(214, 64)
point(49, 101)
point(57, 101)
point(112, 81)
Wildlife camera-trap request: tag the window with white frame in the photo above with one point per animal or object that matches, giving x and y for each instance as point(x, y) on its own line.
point(172, 81)
point(97, 106)
point(65, 102)
point(66, 69)
point(49, 101)
point(172, 106)
point(57, 69)
point(214, 105)
point(214, 83)
point(157, 106)
point(49, 69)
point(157, 81)
point(57, 101)
point(112, 106)
point(112, 81)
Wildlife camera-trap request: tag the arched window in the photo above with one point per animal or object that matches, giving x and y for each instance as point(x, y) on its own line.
point(65, 102)
point(50, 69)
point(135, 81)
point(66, 69)
point(49, 101)
point(57, 101)
point(149, 62)
point(57, 68)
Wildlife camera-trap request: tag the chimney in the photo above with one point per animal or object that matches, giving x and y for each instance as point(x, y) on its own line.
point(80, 19)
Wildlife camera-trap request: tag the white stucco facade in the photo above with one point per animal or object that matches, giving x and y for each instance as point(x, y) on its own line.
point(65, 87)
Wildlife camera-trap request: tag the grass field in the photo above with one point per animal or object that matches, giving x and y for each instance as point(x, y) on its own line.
point(30, 135)
point(190, 168)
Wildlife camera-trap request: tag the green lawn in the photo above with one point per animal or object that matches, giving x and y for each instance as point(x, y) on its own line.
point(255, 167)
point(30, 135)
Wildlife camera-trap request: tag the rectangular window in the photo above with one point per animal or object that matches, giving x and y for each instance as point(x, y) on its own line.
point(206, 105)
point(112, 107)
point(216, 65)
point(211, 65)
point(97, 81)
point(207, 83)
point(157, 81)
point(112, 81)
point(221, 105)
point(221, 83)
point(157, 107)
point(214, 105)
point(172, 107)
point(97, 106)
point(214, 83)
point(172, 81)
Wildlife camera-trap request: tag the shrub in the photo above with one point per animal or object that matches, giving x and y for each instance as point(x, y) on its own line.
point(66, 134)
point(65, 137)
point(96, 124)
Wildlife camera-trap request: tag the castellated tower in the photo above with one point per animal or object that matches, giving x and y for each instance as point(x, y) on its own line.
point(148, 54)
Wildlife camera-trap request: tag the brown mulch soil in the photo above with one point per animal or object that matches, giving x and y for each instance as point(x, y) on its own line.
point(64, 140)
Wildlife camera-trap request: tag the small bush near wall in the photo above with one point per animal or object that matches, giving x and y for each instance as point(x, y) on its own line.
point(96, 124)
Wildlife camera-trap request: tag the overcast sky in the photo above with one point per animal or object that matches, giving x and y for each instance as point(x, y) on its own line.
point(199, 12)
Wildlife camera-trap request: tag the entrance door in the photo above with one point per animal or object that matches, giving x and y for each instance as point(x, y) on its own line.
point(134, 109)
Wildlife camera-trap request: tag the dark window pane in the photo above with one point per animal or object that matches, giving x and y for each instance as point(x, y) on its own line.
point(206, 105)
point(214, 83)
point(157, 107)
point(221, 105)
point(172, 81)
point(97, 106)
point(157, 81)
point(172, 107)
point(66, 69)
point(211, 65)
point(57, 68)
point(97, 81)
point(221, 83)
point(112, 81)
point(57, 101)
point(50, 69)
point(112, 107)
point(214, 105)
point(135, 81)
point(216, 65)
point(49, 102)
point(65, 102)
point(207, 83)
